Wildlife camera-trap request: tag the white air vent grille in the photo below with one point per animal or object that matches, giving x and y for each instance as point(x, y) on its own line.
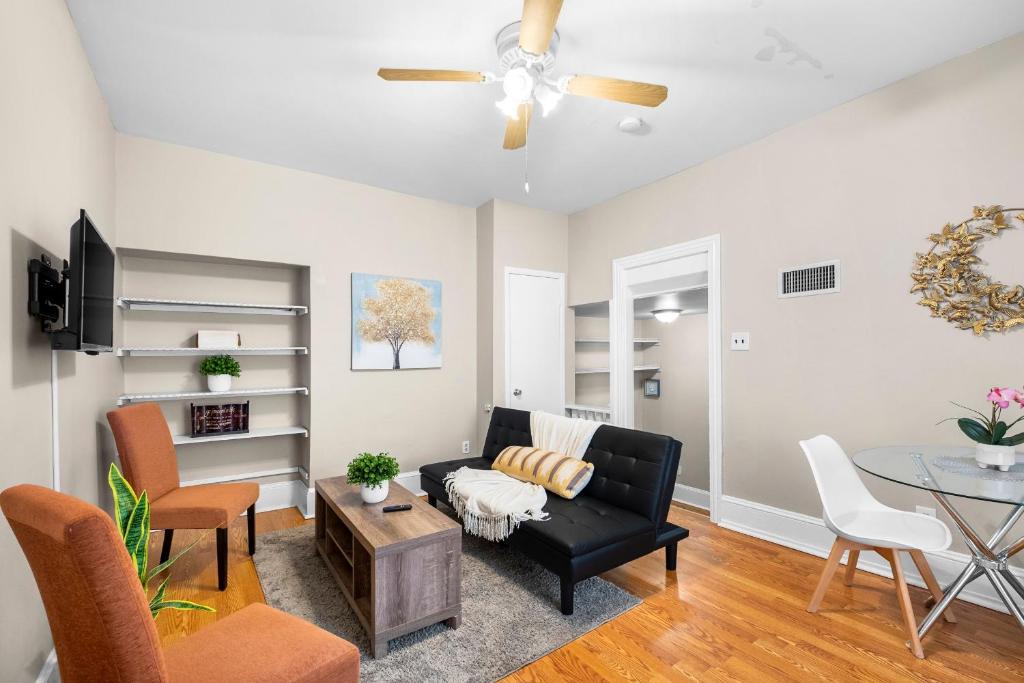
point(809, 280)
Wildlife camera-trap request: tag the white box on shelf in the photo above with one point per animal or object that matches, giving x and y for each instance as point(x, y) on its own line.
point(218, 339)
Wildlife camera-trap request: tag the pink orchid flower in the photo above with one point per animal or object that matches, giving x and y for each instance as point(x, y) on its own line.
point(1002, 397)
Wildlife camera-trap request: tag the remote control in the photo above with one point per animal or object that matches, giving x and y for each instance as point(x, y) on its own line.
point(397, 508)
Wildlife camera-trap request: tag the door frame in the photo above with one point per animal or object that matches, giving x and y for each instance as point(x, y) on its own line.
point(560, 277)
point(621, 340)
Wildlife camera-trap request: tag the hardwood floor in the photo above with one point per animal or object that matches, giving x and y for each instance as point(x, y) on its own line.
point(734, 611)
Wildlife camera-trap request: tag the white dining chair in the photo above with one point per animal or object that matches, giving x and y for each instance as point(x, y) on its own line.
point(860, 522)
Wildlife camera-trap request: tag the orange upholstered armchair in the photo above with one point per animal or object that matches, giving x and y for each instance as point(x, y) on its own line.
point(149, 463)
point(100, 620)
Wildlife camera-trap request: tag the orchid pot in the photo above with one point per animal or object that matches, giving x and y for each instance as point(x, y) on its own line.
point(995, 456)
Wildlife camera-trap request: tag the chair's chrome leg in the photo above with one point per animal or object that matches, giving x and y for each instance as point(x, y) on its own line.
point(970, 573)
point(997, 583)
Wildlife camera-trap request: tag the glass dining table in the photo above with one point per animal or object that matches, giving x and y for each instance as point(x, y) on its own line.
point(950, 473)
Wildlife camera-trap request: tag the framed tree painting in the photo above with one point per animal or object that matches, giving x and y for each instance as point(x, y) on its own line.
point(396, 322)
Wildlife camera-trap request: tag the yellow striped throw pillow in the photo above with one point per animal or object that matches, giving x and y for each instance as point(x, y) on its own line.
point(563, 475)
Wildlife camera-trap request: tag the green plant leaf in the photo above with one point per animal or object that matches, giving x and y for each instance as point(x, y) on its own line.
point(164, 566)
point(1014, 440)
point(158, 597)
point(136, 537)
point(999, 431)
point(182, 605)
point(221, 364)
point(974, 430)
point(125, 499)
point(371, 470)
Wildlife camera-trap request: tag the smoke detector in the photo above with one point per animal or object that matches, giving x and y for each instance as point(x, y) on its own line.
point(633, 125)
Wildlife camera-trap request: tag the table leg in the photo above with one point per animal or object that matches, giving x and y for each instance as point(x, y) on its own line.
point(970, 573)
point(997, 583)
point(1014, 582)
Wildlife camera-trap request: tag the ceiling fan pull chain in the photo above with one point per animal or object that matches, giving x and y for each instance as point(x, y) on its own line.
point(526, 166)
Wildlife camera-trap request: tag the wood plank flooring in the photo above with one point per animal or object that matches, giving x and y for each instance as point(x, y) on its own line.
point(733, 611)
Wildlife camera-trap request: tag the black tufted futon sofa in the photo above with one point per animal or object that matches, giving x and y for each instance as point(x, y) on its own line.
point(620, 515)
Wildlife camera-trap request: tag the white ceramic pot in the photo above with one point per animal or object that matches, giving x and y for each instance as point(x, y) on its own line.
point(999, 457)
point(374, 494)
point(218, 382)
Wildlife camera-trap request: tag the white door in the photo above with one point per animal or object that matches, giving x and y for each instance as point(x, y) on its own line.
point(535, 340)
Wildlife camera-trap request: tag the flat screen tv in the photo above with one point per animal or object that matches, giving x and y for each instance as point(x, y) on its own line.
point(89, 319)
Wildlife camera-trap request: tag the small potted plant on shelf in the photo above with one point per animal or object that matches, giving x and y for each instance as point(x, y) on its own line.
point(373, 472)
point(219, 370)
point(994, 448)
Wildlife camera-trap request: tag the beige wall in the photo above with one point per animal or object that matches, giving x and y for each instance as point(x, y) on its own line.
point(185, 200)
point(865, 183)
point(511, 236)
point(682, 409)
point(56, 156)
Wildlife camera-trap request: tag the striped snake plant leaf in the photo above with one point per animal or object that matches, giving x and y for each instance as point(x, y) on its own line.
point(163, 566)
point(136, 537)
point(125, 499)
point(186, 605)
point(158, 597)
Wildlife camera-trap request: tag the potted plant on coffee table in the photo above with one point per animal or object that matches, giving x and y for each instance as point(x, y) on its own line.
point(373, 472)
point(219, 370)
point(994, 447)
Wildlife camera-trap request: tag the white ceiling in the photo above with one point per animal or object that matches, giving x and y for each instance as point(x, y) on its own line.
point(294, 83)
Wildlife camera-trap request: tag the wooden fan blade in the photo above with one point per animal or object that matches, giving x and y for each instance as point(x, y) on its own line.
point(539, 18)
point(646, 94)
point(430, 75)
point(515, 131)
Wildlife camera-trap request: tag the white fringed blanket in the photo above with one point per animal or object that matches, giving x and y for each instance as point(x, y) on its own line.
point(492, 504)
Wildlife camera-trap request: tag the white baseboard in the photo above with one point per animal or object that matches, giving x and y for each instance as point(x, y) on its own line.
point(281, 494)
point(48, 672)
point(692, 496)
point(411, 481)
point(308, 507)
point(810, 535)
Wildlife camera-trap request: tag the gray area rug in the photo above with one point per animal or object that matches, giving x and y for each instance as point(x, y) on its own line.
point(510, 613)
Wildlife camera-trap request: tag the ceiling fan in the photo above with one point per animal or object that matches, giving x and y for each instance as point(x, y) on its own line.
point(526, 54)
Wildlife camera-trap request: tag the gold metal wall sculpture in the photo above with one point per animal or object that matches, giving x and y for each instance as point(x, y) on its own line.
point(952, 284)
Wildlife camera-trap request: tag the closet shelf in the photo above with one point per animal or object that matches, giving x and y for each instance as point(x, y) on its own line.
point(141, 304)
point(236, 351)
point(593, 409)
point(604, 371)
point(125, 399)
point(184, 439)
point(639, 341)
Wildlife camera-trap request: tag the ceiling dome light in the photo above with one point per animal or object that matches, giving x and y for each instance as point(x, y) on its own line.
point(519, 83)
point(666, 315)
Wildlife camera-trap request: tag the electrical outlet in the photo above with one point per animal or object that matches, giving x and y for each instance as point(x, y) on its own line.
point(922, 510)
point(465, 448)
point(740, 341)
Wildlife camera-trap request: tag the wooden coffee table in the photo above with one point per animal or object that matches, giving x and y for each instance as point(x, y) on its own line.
point(400, 571)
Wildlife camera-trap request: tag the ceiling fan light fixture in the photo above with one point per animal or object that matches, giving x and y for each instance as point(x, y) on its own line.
point(509, 107)
point(519, 83)
point(547, 97)
point(666, 315)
